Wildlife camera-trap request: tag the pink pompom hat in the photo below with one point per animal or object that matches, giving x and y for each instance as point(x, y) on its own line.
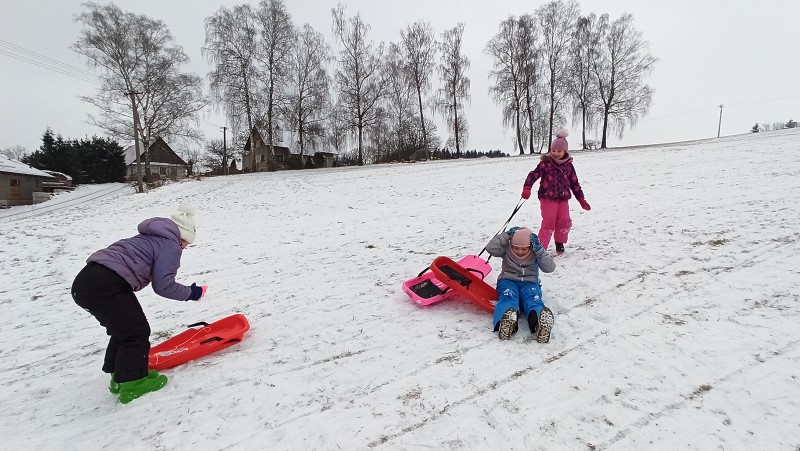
point(560, 143)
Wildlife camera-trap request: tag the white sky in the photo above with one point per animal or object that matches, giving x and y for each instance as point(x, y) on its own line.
point(740, 54)
point(676, 310)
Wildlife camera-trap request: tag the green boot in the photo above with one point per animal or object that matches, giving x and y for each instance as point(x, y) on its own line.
point(113, 386)
point(128, 391)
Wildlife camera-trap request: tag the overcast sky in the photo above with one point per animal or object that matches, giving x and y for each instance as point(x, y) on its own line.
point(744, 55)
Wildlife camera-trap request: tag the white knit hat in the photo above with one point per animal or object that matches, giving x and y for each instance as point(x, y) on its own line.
point(184, 217)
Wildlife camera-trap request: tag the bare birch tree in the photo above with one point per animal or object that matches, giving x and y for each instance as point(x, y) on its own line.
point(399, 102)
point(230, 48)
point(531, 73)
point(418, 47)
point(308, 86)
point(336, 130)
point(620, 68)
point(504, 48)
point(277, 38)
point(455, 84)
point(557, 20)
point(359, 78)
point(138, 55)
point(583, 53)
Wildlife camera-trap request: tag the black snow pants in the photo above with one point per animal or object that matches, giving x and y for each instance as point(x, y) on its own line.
point(110, 299)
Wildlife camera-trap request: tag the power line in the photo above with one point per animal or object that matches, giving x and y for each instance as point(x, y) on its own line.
point(22, 54)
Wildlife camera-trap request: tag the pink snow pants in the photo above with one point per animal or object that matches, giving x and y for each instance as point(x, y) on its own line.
point(555, 220)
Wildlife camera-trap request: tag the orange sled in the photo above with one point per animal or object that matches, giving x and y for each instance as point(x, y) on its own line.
point(194, 343)
point(465, 282)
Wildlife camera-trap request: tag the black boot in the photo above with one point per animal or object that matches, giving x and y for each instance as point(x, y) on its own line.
point(559, 248)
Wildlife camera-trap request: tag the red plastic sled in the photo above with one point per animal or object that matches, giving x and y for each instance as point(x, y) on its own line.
point(194, 343)
point(426, 288)
point(465, 282)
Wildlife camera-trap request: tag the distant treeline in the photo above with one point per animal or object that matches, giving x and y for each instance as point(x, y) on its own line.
point(765, 127)
point(446, 154)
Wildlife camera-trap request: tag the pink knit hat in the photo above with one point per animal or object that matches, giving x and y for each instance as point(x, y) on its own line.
point(522, 237)
point(560, 143)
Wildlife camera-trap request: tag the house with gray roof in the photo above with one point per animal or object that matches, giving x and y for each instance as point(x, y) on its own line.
point(21, 184)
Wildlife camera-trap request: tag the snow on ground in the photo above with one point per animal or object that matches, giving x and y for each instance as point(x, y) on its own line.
point(676, 311)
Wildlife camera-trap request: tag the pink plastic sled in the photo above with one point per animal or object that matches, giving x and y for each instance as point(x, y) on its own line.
point(426, 289)
point(465, 282)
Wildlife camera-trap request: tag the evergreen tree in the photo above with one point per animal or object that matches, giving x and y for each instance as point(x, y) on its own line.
point(55, 154)
point(100, 159)
point(95, 160)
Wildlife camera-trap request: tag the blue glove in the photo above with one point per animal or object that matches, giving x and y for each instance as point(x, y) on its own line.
point(197, 292)
point(536, 246)
point(512, 230)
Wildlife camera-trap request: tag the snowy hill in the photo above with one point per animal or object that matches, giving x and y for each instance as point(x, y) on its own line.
point(676, 311)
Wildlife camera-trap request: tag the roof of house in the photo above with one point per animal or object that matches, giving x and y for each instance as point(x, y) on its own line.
point(56, 174)
point(130, 153)
point(17, 167)
point(259, 138)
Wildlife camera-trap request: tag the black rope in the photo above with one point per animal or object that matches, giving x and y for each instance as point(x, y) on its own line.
point(502, 229)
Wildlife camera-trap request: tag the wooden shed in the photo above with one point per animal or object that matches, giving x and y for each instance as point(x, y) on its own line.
point(19, 182)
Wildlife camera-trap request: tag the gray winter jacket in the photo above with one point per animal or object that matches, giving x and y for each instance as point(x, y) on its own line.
point(152, 255)
point(500, 246)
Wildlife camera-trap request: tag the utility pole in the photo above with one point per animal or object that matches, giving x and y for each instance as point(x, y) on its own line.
point(136, 140)
point(224, 151)
point(719, 127)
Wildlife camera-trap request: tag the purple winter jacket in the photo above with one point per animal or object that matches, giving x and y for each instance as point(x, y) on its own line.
point(152, 255)
point(557, 179)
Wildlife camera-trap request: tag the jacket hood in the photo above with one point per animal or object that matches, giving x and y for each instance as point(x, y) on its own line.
point(547, 156)
point(162, 227)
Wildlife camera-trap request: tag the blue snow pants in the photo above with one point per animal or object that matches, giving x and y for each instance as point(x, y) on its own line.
point(525, 296)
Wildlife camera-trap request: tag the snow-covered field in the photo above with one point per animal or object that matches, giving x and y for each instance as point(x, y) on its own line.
point(677, 310)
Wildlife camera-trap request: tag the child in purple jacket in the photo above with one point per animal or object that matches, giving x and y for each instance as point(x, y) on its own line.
point(105, 288)
point(558, 178)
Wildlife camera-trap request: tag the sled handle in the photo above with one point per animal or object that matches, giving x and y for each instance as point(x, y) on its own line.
point(215, 338)
point(201, 323)
point(427, 268)
point(483, 276)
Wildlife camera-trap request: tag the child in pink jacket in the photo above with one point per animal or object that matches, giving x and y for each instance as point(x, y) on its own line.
point(558, 178)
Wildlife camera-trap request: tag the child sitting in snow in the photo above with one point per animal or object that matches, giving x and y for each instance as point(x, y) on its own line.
point(518, 284)
point(105, 288)
point(558, 177)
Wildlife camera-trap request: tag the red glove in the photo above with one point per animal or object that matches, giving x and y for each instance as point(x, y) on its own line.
point(205, 287)
point(526, 192)
point(585, 205)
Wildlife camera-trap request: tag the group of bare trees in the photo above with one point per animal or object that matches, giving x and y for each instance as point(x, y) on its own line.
point(556, 58)
point(140, 75)
point(268, 74)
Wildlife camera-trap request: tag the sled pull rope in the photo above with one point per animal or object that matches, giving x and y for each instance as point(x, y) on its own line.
point(502, 229)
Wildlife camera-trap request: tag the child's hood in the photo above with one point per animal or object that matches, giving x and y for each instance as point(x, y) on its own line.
point(162, 227)
point(567, 157)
